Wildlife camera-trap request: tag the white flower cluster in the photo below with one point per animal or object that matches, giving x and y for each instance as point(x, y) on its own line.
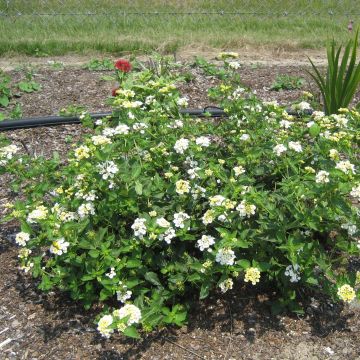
point(285, 124)
point(208, 217)
point(226, 285)
point(182, 187)
point(111, 274)
point(120, 129)
point(205, 242)
point(123, 294)
point(225, 256)
point(128, 104)
point(59, 247)
point(216, 200)
point(346, 167)
point(237, 94)
point(108, 169)
point(322, 177)
point(293, 271)
point(104, 326)
point(140, 127)
point(355, 192)
point(245, 209)
point(184, 102)
point(234, 65)
point(162, 222)
point(295, 145)
point(351, 228)
point(180, 218)
point(100, 140)
point(39, 213)
point(82, 152)
point(168, 235)
point(181, 145)
point(22, 238)
point(244, 137)
point(85, 210)
point(129, 311)
point(203, 141)
point(176, 124)
point(139, 227)
point(279, 149)
point(7, 153)
point(238, 170)
point(88, 196)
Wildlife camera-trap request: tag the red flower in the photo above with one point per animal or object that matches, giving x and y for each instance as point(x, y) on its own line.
point(123, 65)
point(113, 92)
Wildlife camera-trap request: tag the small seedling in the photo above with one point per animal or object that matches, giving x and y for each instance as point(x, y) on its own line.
point(99, 65)
point(29, 85)
point(287, 82)
point(72, 110)
point(5, 92)
point(68, 139)
point(209, 68)
point(56, 65)
point(188, 77)
point(16, 113)
point(107, 78)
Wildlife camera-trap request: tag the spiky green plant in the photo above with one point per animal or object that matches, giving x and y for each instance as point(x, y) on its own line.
point(342, 78)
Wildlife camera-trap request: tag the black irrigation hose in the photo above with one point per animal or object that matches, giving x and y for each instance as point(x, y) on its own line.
point(27, 123)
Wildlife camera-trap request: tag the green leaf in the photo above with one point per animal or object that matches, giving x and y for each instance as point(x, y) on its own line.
point(94, 254)
point(131, 331)
point(4, 101)
point(105, 294)
point(133, 263)
point(138, 188)
point(314, 130)
point(135, 171)
point(152, 278)
point(312, 281)
point(245, 264)
point(205, 289)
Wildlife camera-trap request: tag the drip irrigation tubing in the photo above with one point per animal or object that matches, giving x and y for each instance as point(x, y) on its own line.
point(27, 123)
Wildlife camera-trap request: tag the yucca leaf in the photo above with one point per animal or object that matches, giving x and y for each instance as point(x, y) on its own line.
point(340, 83)
point(333, 79)
point(352, 87)
point(320, 82)
point(350, 69)
point(344, 61)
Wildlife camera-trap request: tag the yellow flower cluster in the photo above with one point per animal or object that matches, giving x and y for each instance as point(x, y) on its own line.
point(182, 187)
point(346, 293)
point(252, 274)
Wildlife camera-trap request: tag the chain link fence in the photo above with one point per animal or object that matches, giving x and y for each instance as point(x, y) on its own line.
point(141, 25)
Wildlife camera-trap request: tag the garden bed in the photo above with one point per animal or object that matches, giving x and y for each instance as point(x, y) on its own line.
point(237, 325)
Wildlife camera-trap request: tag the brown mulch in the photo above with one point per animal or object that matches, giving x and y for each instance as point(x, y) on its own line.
point(236, 326)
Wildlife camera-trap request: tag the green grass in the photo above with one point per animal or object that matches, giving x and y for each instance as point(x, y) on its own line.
point(308, 24)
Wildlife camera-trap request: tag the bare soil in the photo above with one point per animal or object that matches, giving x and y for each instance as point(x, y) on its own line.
point(236, 326)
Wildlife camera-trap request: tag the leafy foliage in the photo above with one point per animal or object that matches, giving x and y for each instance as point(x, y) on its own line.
point(5, 92)
point(155, 208)
point(287, 82)
point(29, 85)
point(99, 65)
point(342, 77)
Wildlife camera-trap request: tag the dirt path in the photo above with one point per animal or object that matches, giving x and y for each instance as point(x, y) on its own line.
point(247, 55)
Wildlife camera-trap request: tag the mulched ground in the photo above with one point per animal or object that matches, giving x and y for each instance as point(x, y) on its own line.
point(236, 326)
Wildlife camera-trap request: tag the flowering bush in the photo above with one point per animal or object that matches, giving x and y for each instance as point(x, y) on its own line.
point(155, 206)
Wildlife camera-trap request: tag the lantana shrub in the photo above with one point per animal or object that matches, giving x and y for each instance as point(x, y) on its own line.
point(155, 208)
